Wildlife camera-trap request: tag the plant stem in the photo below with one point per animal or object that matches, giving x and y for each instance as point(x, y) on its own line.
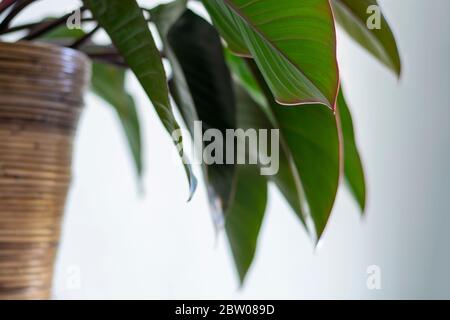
point(41, 26)
point(36, 25)
point(49, 26)
point(5, 4)
point(21, 27)
point(17, 8)
point(109, 57)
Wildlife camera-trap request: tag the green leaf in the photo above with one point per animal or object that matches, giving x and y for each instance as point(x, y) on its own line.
point(254, 112)
point(245, 216)
point(353, 16)
point(309, 154)
point(125, 24)
point(165, 16)
point(108, 82)
point(353, 169)
point(293, 43)
point(197, 48)
point(311, 136)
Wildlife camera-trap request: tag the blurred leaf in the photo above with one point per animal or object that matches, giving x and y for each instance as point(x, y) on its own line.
point(60, 35)
point(125, 24)
point(309, 154)
point(293, 43)
point(353, 169)
point(108, 82)
point(61, 32)
point(353, 16)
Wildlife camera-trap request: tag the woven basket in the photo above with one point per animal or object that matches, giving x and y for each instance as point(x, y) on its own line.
point(41, 97)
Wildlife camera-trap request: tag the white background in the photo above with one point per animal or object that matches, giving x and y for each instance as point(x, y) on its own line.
point(122, 244)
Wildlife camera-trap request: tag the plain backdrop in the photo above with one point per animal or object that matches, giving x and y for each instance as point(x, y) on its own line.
point(122, 241)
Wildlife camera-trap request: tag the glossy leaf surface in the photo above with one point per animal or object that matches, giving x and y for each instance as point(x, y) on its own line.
point(202, 88)
point(293, 43)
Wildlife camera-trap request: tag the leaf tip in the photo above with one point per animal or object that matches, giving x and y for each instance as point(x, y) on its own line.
point(192, 185)
point(362, 205)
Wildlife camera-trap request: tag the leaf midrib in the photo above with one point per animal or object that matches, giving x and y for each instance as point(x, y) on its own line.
point(273, 45)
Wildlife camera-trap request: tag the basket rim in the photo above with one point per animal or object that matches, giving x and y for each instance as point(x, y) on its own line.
point(64, 51)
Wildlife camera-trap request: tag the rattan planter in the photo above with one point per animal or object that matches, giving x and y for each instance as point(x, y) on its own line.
point(41, 97)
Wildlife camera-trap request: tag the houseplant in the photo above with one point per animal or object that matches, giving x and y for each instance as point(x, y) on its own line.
point(278, 54)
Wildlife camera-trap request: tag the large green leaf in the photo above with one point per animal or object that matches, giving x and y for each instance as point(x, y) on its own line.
point(201, 87)
point(312, 138)
point(125, 24)
point(108, 82)
point(309, 152)
point(293, 43)
point(249, 195)
point(353, 16)
point(353, 169)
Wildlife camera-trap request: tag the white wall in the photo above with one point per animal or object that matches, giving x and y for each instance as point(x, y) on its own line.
point(123, 244)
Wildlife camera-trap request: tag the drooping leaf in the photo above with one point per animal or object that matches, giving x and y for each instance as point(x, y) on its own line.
point(199, 51)
point(125, 24)
point(245, 215)
point(201, 87)
point(293, 43)
point(165, 16)
point(353, 169)
point(254, 112)
point(309, 155)
point(312, 138)
point(108, 82)
point(355, 17)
